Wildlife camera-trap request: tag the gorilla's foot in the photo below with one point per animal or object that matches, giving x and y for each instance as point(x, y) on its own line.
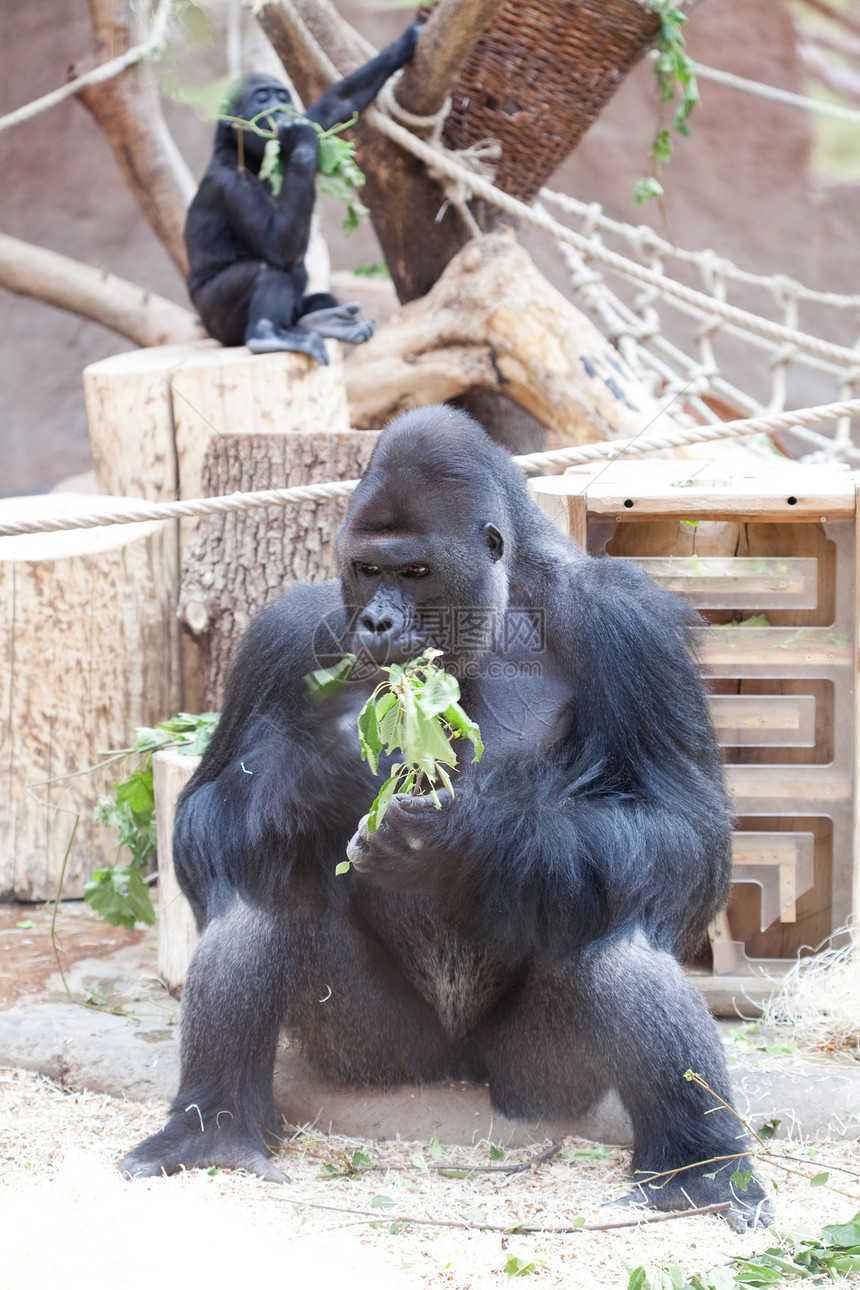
point(692, 1189)
point(339, 322)
point(265, 338)
point(187, 1142)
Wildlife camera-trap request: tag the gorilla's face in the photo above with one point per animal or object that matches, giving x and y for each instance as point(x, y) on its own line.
point(410, 592)
point(428, 545)
point(260, 95)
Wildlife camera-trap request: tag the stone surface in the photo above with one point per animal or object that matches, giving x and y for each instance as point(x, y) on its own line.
point(136, 1055)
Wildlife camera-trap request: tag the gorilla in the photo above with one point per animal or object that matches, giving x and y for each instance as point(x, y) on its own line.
point(246, 247)
point(529, 933)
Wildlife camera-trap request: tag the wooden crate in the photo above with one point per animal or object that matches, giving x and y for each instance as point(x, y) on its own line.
point(768, 554)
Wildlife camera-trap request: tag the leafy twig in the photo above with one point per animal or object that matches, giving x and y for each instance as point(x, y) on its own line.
point(672, 68)
point(381, 1215)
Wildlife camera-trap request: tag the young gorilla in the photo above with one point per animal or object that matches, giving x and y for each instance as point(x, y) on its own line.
point(528, 933)
point(246, 247)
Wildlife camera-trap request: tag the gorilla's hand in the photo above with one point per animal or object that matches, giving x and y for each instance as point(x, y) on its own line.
point(299, 140)
point(401, 854)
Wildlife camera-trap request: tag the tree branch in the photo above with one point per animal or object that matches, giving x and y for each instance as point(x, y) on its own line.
point(113, 302)
point(493, 322)
point(452, 29)
point(128, 110)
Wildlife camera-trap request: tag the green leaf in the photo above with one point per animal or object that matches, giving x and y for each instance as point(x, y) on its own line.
point(25, 924)
point(465, 728)
point(645, 190)
point(327, 681)
point(819, 1180)
point(120, 896)
point(343, 867)
point(368, 735)
point(360, 1158)
point(440, 690)
point(270, 167)
point(741, 1178)
point(377, 811)
point(476, 1215)
point(382, 1202)
point(436, 1148)
point(496, 1153)
point(638, 1278)
point(516, 1267)
point(137, 791)
point(843, 1235)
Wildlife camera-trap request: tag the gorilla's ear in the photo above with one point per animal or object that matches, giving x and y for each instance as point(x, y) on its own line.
point(494, 540)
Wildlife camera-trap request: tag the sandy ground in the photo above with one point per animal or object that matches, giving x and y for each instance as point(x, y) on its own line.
point(69, 1219)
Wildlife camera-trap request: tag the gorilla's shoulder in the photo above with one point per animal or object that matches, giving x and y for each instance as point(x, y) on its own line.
point(288, 627)
point(616, 592)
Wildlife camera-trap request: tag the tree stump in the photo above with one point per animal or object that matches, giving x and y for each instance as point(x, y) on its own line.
point(155, 418)
point(240, 560)
point(89, 635)
point(177, 930)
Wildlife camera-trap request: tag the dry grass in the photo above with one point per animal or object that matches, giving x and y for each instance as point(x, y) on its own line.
point(817, 1007)
point(69, 1220)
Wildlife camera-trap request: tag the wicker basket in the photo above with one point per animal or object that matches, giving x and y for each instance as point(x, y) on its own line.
point(538, 77)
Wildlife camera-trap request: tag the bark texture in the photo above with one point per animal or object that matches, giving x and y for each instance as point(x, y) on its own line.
point(88, 629)
point(237, 562)
point(493, 322)
point(128, 109)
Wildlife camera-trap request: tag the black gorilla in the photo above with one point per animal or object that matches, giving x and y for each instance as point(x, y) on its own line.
point(246, 247)
point(527, 934)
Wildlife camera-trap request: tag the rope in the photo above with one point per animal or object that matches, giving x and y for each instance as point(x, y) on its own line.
point(528, 462)
point(775, 95)
point(152, 48)
point(480, 187)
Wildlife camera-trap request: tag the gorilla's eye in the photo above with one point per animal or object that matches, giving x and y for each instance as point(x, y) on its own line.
point(262, 96)
point(415, 571)
point(368, 570)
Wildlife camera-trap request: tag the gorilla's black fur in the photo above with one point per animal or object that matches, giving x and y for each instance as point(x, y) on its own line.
point(246, 247)
point(529, 933)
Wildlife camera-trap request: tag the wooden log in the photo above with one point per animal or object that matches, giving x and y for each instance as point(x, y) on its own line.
point(154, 415)
point(240, 560)
point(177, 930)
point(89, 644)
point(493, 322)
point(130, 413)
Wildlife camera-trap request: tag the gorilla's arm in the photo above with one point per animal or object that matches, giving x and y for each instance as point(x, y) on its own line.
point(270, 790)
point(355, 91)
point(274, 230)
point(624, 821)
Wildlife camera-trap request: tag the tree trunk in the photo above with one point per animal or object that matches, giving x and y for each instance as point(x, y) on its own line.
point(87, 622)
point(124, 307)
point(128, 109)
point(177, 930)
point(239, 561)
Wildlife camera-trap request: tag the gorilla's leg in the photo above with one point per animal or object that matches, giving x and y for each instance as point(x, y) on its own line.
point(233, 1003)
point(273, 313)
point(358, 1019)
point(224, 302)
point(339, 322)
point(623, 1014)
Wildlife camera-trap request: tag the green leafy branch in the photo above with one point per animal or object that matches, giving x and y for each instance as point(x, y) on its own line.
point(339, 173)
point(119, 893)
point(800, 1256)
point(674, 70)
point(417, 710)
